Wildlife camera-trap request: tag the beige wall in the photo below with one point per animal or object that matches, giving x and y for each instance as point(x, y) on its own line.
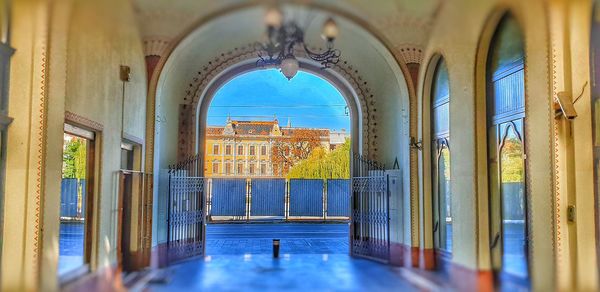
point(559, 170)
point(67, 59)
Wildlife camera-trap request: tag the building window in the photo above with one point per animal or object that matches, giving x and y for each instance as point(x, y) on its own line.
point(505, 101)
point(215, 149)
point(263, 150)
point(240, 150)
point(252, 170)
point(252, 150)
point(228, 150)
point(227, 168)
point(240, 168)
point(215, 168)
point(442, 196)
point(263, 168)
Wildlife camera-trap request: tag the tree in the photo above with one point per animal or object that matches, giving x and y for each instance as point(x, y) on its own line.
point(288, 151)
point(74, 159)
point(322, 164)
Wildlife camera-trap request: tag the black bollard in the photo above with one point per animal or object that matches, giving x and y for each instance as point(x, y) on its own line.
point(275, 248)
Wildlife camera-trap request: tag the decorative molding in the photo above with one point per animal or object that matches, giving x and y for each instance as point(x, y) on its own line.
point(225, 60)
point(155, 46)
point(83, 121)
point(411, 53)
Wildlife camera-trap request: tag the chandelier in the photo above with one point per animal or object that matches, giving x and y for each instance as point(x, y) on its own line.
point(284, 38)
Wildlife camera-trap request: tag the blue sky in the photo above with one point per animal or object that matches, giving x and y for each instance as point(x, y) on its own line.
point(306, 100)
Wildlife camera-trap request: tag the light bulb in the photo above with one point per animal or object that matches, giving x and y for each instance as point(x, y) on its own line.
point(290, 67)
point(330, 30)
point(274, 17)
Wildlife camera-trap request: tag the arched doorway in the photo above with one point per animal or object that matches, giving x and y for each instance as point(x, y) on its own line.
point(506, 153)
point(383, 109)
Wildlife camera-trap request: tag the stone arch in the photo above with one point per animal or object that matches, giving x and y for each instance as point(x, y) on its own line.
point(240, 60)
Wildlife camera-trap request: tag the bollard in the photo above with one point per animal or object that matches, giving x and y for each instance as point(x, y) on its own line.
point(275, 248)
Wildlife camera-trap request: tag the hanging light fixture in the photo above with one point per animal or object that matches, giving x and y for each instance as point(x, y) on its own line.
point(283, 38)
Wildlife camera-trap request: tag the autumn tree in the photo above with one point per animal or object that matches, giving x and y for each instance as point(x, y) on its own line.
point(289, 150)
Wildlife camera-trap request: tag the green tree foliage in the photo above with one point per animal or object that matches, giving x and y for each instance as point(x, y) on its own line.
point(512, 161)
point(322, 164)
point(74, 159)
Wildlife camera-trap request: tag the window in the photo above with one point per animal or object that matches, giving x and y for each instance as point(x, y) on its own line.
point(228, 150)
point(215, 168)
point(240, 150)
point(252, 170)
point(263, 168)
point(505, 100)
point(240, 168)
point(442, 196)
point(263, 150)
point(227, 168)
point(76, 201)
point(252, 150)
point(215, 149)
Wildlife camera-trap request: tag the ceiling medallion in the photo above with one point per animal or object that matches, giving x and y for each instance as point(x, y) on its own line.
point(283, 38)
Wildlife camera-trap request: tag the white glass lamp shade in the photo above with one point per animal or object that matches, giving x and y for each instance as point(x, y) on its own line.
point(274, 17)
point(330, 30)
point(290, 67)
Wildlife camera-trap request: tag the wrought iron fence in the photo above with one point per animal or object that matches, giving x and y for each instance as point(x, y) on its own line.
point(370, 229)
point(185, 217)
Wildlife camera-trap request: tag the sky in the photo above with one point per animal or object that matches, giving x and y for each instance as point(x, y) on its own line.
point(306, 101)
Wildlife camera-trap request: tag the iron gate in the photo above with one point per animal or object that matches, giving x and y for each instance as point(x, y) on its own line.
point(370, 224)
point(185, 232)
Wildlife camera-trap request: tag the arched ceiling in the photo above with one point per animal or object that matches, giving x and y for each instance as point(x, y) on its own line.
point(370, 59)
point(404, 23)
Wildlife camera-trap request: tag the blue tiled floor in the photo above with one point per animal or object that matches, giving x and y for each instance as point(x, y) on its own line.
point(296, 238)
point(70, 246)
point(291, 272)
point(314, 257)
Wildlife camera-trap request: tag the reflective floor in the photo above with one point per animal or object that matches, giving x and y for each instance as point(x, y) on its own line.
point(296, 238)
point(291, 272)
point(314, 257)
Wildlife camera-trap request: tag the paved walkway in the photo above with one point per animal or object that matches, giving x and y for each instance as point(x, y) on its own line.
point(292, 272)
point(296, 238)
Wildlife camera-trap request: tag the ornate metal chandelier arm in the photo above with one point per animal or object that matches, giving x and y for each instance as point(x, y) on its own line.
point(328, 58)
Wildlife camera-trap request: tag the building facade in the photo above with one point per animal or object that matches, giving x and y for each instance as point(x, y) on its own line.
point(247, 148)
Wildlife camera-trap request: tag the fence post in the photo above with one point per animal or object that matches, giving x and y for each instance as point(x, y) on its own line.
point(248, 198)
point(324, 199)
point(286, 200)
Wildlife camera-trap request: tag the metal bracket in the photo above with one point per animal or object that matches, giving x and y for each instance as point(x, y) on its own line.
point(571, 214)
point(414, 144)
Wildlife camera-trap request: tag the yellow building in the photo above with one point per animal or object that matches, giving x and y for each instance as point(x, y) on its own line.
point(245, 148)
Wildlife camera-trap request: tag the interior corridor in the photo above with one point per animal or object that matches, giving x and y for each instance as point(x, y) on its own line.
point(388, 144)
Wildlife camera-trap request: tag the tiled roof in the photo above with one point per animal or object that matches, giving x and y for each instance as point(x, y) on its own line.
point(321, 132)
point(260, 128)
point(214, 131)
point(253, 127)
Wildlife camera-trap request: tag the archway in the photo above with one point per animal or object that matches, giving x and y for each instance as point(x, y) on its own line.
point(187, 77)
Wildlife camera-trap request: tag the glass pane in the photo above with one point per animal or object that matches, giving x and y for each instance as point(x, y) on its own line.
point(512, 176)
point(445, 210)
point(508, 46)
point(72, 204)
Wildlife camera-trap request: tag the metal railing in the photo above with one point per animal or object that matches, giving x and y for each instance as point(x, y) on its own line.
point(245, 199)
